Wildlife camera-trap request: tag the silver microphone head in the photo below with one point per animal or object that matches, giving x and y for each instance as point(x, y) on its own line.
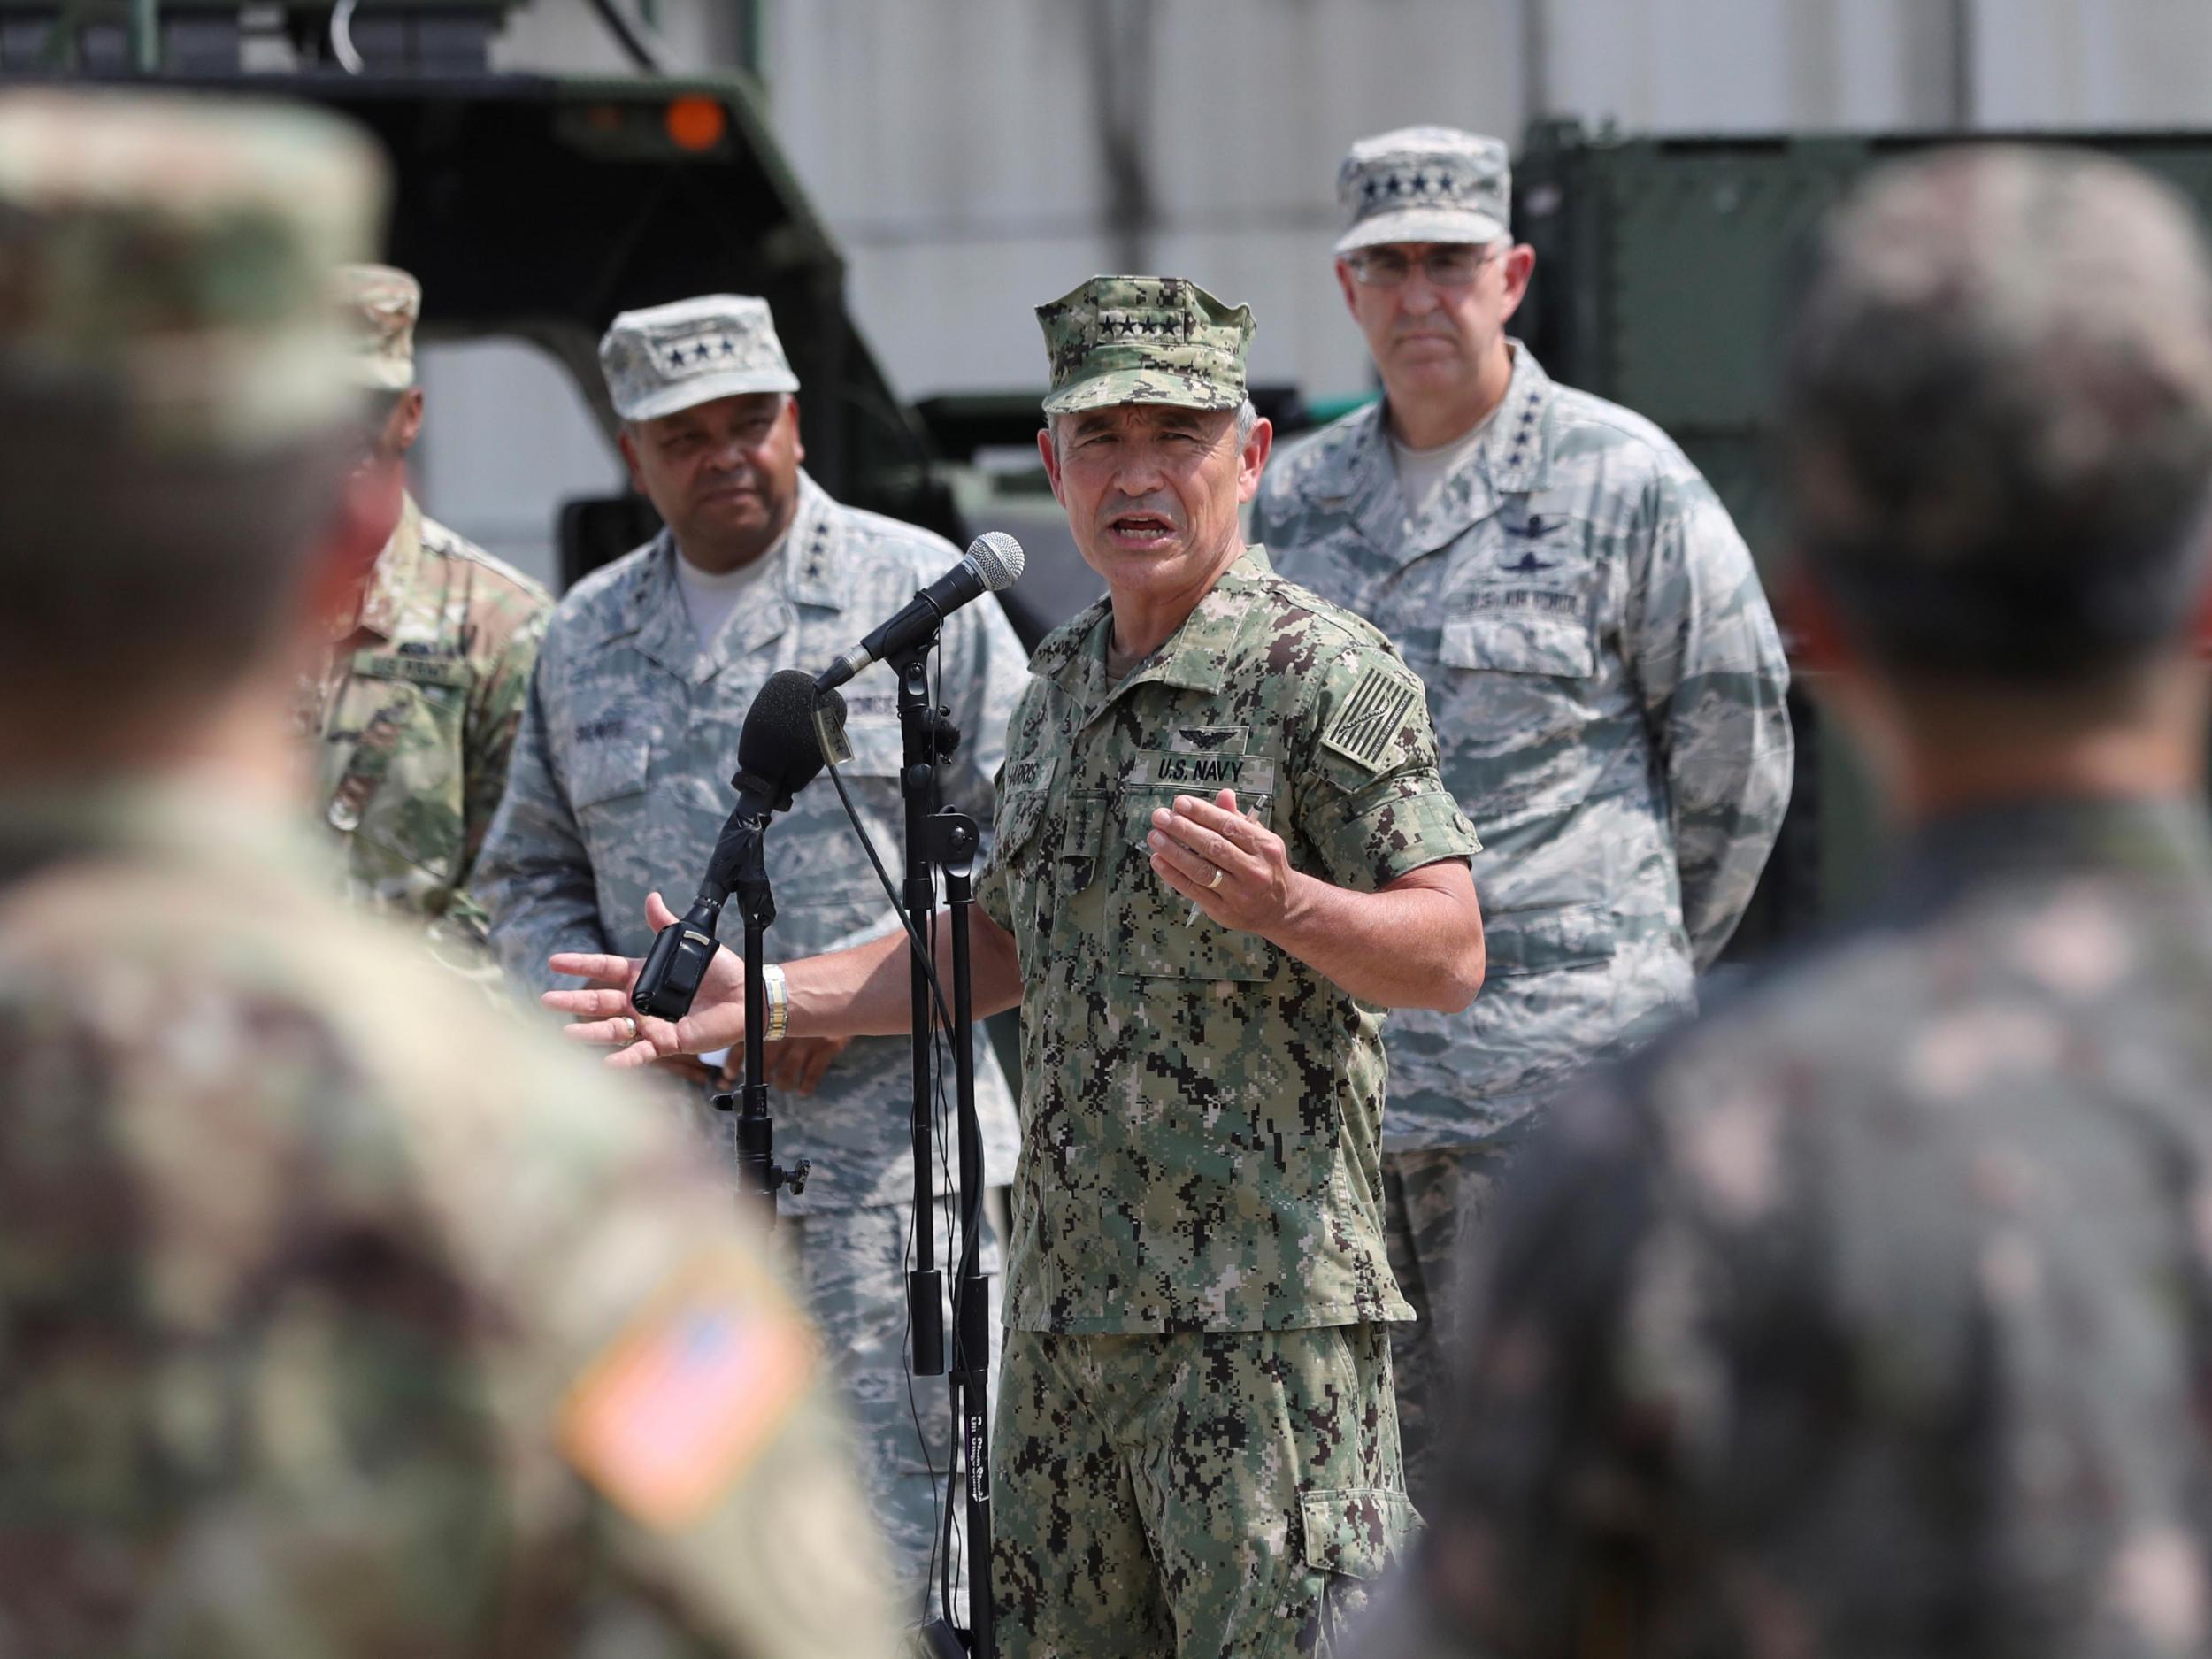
point(999, 557)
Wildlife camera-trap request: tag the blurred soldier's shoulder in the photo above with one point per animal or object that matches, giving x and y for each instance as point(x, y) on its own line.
point(423, 1245)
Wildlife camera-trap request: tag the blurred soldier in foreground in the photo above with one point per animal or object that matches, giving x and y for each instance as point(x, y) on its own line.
point(1222, 848)
point(621, 785)
point(1873, 1315)
point(338, 1316)
point(417, 704)
point(1603, 671)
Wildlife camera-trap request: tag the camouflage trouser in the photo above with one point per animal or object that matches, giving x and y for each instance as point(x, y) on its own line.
point(851, 1265)
point(1435, 1203)
point(1204, 1493)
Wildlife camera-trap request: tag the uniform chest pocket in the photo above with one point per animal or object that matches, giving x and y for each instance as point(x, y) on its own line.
point(607, 771)
point(1154, 933)
point(392, 767)
point(1521, 631)
point(877, 747)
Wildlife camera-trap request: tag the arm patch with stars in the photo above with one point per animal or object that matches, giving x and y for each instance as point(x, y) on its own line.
point(1369, 719)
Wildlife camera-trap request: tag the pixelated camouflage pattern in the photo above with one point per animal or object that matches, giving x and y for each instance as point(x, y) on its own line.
point(170, 258)
point(1435, 1204)
point(303, 1254)
point(1200, 1112)
point(675, 357)
point(380, 305)
point(1232, 1492)
point(1607, 687)
point(1144, 339)
point(620, 785)
point(1870, 1316)
point(414, 721)
point(850, 1265)
point(1425, 184)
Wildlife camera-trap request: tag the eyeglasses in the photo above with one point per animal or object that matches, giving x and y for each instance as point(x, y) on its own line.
point(1448, 266)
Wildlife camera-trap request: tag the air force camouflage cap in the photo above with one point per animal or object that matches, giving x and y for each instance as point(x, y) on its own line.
point(1425, 184)
point(691, 352)
point(165, 263)
point(1144, 339)
point(380, 305)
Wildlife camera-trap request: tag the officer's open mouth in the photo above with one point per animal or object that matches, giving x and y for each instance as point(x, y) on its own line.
point(1141, 528)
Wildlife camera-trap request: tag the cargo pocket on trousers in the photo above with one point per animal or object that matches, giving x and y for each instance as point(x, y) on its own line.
point(1357, 1531)
point(1353, 1535)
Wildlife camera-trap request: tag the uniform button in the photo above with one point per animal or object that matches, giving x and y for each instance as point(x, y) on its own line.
point(345, 817)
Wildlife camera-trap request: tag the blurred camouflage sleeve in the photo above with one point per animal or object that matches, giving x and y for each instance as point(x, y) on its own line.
point(1707, 662)
point(1551, 1516)
point(1368, 800)
point(534, 877)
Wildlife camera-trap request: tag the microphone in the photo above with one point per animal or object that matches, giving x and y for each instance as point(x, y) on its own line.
point(992, 564)
point(779, 754)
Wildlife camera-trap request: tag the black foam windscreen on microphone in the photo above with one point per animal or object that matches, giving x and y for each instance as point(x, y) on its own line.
point(777, 752)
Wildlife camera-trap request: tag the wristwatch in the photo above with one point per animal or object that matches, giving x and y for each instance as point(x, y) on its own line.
point(778, 992)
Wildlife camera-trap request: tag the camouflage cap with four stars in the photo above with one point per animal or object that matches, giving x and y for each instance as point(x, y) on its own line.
point(1425, 184)
point(165, 263)
point(380, 305)
point(1144, 339)
point(678, 355)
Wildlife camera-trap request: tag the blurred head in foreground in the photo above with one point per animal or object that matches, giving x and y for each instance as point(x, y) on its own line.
point(177, 425)
point(1996, 442)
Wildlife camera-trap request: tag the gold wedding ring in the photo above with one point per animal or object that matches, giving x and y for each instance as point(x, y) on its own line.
point(631, 1021)
point(1218, 873)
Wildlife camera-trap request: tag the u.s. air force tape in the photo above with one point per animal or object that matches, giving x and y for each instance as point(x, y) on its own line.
point(1369, 718)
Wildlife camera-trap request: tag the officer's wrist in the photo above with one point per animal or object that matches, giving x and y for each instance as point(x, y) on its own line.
point(776, 992)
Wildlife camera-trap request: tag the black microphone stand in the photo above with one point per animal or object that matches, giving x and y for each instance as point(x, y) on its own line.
point(947, 840)
point(759, 1177)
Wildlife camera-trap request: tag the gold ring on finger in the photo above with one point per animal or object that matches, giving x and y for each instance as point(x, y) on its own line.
point(1218, 873)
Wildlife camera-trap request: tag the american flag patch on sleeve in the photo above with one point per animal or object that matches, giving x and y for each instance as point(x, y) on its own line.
point(689, 1394)
point(1369, 720)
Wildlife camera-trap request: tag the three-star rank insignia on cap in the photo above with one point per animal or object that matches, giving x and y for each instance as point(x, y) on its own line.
point(1369, 720)
point(689, 1396)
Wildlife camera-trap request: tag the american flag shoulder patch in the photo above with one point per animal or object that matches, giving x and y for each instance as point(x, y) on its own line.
point(1369, 719)
point(684, 1400)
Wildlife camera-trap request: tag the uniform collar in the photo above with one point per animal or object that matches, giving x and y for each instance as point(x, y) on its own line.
point(809, 570)
point(2148, 838)
point(187, 822)
point(1195, 657)
point(393, 577)
point(1515, 459)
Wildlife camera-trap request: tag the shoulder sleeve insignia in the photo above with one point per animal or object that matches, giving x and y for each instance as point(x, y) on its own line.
point(1369, 719)
point(686, 1398)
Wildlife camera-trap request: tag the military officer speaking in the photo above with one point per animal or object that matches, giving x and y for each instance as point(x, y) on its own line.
point(341, 1317)
point(1223, 850)
point(417, 706)
point(1872, 1314)
point(621, 782)
point(1604, 673)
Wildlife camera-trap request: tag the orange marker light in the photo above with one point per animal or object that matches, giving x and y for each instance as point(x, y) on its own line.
point(697, 123)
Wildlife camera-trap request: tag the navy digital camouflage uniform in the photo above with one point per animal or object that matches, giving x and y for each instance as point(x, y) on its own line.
point(620, 785)
point(1872, 1314)
point(1608, 687)
point(1197, 1449)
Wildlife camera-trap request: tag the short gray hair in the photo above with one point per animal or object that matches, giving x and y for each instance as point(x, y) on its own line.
point(1996, 412)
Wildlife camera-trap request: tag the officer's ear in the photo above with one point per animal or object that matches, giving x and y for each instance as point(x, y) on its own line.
point(1048, 452)
point(1816, 638)
point(1349, 284)
point(625, 439)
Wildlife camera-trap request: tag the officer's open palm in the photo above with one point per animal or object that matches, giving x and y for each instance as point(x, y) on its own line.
point(1235, 870)
point(604, 1017)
